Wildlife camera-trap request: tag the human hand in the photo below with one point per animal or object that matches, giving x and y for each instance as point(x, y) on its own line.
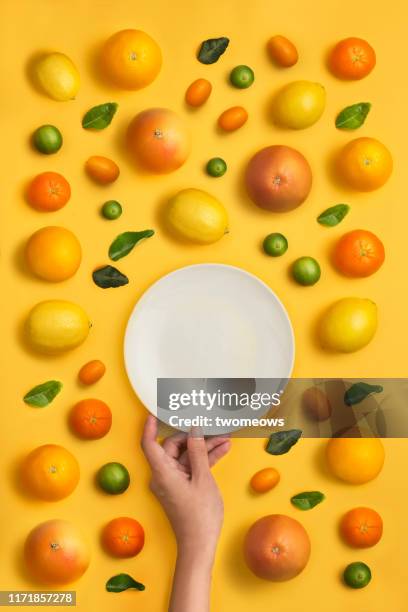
point(183, 484)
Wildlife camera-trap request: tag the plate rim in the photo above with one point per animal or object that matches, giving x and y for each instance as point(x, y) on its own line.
point(207, 265)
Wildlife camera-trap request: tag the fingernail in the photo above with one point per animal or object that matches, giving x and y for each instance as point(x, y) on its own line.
point(197, 433)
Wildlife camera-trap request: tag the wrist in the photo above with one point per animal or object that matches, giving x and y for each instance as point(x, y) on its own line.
point(195, 552)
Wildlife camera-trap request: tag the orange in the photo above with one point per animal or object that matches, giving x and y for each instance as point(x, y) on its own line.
point(123, 537)
point(355, 460)
point(361, 527)
point(50, 472)
point(365, 164)
point(131, 59)
point(359, 253)
point(53, 253)
point(48, 191)
point(91, 419)
point(352, 58)
point(265, 480)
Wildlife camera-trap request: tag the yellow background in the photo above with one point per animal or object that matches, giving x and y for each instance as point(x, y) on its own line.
point(77, 28)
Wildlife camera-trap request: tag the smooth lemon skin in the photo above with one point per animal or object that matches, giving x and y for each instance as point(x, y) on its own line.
point(53, 254)
point(355, 460)
point(56, 326)
point(57, 76)
point(197, 216)
point(348, 325)
point(299, 104)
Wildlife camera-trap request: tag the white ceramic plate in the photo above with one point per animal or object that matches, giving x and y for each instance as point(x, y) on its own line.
point(207, 321)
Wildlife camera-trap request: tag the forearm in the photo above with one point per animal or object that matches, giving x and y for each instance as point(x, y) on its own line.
point(192, 579)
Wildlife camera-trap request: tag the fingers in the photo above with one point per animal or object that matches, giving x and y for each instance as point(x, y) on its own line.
point(175, 445)
point(211, 443)
point(151, 448)
point(198, 456)
point(219, 452)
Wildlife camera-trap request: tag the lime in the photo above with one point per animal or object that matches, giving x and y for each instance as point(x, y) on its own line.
point(357, 575)
point(306, 271)
point(111, 209)
point(113, 478)
point(47, 139)
point(242, 77)
point(216, 166)
point(275, 245)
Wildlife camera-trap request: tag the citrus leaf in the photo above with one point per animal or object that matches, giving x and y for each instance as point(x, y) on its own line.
point(124, 243)
point(281, 442)
point(353, 117)
point(108, 276)
point(359, 391)
point(334, 215)
point(212, 49)
point(307, 500)
point(122, 582)
point(43, 394)
point(99, 117)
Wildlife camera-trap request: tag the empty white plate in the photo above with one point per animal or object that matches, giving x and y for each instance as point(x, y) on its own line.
point(207, 321)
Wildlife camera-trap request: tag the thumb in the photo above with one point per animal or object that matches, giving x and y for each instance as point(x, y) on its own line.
point(198, 456)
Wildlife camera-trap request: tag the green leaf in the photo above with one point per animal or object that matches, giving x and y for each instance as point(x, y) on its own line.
point(122, 582)
point(43, 394)
point(99, 117)
point(307, 500)
point(359, 391)
point(281, 442)
point(124, 243)
point(108, 276)
point(333, 215)
point(212, 49)
point(353, 117)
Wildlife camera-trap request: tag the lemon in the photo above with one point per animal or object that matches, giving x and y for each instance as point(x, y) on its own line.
point(348, 325)
point(197, 216)
point(55, 326)
point(57, 76)
point(299, 104)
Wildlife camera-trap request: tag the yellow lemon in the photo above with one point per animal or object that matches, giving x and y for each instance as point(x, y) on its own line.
point(57, 76)
point(348, 325)
point(53, 253)
point(55, 326)
point(197, 216)
point(299, 104)
point(355, 460)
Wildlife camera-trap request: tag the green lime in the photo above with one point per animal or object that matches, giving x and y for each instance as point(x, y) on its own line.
point(111, 209)
point(47, 139)
point(242, 77)
point(216, 166)
point(275, 245)
point(306, 271)
point(357, 575)
point(113, 478)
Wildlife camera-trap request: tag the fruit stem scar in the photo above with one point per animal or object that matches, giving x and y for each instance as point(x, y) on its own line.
point(277, 180)
point(158, 133)
point(54, 545)
point(53, 469)
point(275, 550)
point(133, 56)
